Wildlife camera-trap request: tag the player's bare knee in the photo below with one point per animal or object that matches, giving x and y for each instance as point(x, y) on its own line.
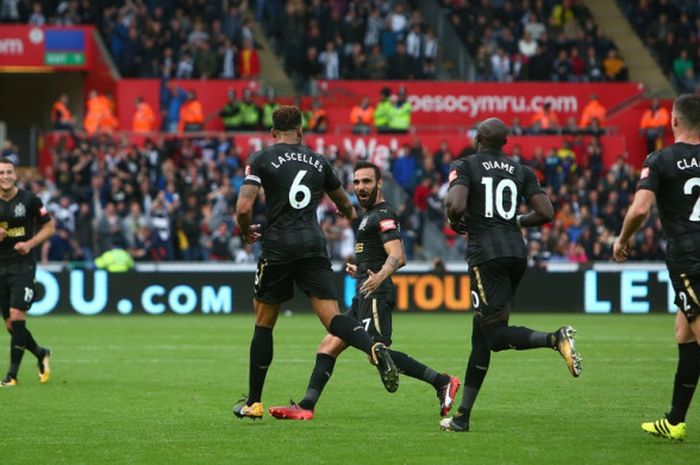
point(16, 315)
point(331, 345)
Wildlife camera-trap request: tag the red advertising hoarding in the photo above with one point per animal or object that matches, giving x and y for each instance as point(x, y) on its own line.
point(26, 48)
point(379, 149)
point(466, 103)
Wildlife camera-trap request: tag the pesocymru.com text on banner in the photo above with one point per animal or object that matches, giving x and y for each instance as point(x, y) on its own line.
point(207, 289)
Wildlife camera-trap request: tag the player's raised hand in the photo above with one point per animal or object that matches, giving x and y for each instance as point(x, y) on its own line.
point(253, 234)
point(620, 251)
point(371, 284)
point(351, 269)
point(23, 248)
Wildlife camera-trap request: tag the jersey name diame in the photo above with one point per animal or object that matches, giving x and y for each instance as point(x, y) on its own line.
point(297, 156)
point(496, 164)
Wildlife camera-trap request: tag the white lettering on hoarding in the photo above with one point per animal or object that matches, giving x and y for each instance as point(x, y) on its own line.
point(11, 47)
point(475, 105)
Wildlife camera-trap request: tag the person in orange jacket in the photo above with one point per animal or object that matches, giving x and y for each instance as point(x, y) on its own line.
point(144, 119)
point(319, 119)
point(61, 117)
point(191, 114)
point(99, 114)
point(545, 120)
point(593, 109)
point(362, 117)
point(652, 125)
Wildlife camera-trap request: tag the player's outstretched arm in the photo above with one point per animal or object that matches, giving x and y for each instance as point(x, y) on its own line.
point(542, 212)
point(244, 212)
point(342, 201)
point(395, 260)
point(644, 199)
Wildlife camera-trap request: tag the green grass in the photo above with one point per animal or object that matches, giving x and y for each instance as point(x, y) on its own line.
point(159, 390)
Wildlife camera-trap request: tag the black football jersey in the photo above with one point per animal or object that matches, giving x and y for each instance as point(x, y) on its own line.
point(295, 179)
point(377, 226)
point(496, 184)
point(20, 218)
point(673, 174)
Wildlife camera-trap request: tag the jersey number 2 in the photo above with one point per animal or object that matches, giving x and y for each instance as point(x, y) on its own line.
point(298, 189)
point(688, 190)
point(502, 185)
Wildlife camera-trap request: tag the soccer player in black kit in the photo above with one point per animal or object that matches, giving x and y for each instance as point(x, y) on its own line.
point(378, 253)
point(294, 250)
point(24, 224)
point(671, 178)
point(482, 200)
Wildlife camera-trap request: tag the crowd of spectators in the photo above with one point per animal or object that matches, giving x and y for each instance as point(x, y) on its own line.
point(174, 199)
point(535, 40)
point(670, 29)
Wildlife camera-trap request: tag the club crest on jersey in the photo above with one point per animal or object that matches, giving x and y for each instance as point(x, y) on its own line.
point(453, 175)
point(20, 210)
point(645, 172)
point(363, 223)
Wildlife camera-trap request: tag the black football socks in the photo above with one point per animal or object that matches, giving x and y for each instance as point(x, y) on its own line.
point(415, 369)
point(351, 332)
point(260, 360)
point(18, 343)
point(686, 379)
point(323, 369)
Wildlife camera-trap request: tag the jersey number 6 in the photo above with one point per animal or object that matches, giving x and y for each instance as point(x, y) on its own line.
point(298, 189)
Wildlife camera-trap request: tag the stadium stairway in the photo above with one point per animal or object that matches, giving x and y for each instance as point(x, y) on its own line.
point(272, 72)
point(641, 65)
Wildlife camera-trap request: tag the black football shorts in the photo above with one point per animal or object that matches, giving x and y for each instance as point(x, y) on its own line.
point(493, 285)
point(17, 290)
point(274, 282)
point(374, 314)
point(687, 289)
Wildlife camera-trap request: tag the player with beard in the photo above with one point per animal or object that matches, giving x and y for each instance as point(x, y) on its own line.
point(294, 250)
point(24, 225)
point(379, 253)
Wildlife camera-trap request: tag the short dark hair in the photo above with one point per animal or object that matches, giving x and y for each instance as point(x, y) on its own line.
point(7, 161)
point(368, 164)
point(687, 109)
point(286, 118)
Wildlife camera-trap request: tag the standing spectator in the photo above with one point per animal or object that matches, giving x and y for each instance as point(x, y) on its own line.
point(401, 65)
point(384, 111)
point(231, 112)
point(500, 66)
point(185, 67)
point(191, 114)
point(228, 58)
point(653, 124)
point(593, 109)
point(527, 45)
point(362, 117)
point(400, 121)
point(143, 120)
point(61, 117)
point(376, 64)
point(248, 61)
point(330, 62)
point(430, 51)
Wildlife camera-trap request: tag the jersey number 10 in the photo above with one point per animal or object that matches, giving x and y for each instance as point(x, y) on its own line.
point(498, 196)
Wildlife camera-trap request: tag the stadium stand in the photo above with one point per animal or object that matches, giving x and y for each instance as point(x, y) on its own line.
point(171, 198)
point(670, 29)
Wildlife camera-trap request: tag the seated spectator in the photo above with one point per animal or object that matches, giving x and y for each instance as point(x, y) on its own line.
point(688, 83)
point(362, 117)
point(681, 64)
point(614, 66)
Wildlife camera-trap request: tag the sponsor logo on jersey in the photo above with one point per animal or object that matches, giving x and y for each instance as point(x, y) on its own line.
point(645, 173)
point(20, 210)
point(42, 211)
point(453, 175)
point(386, 225)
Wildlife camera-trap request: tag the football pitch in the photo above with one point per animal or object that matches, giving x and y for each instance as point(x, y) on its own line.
point(159, 390)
